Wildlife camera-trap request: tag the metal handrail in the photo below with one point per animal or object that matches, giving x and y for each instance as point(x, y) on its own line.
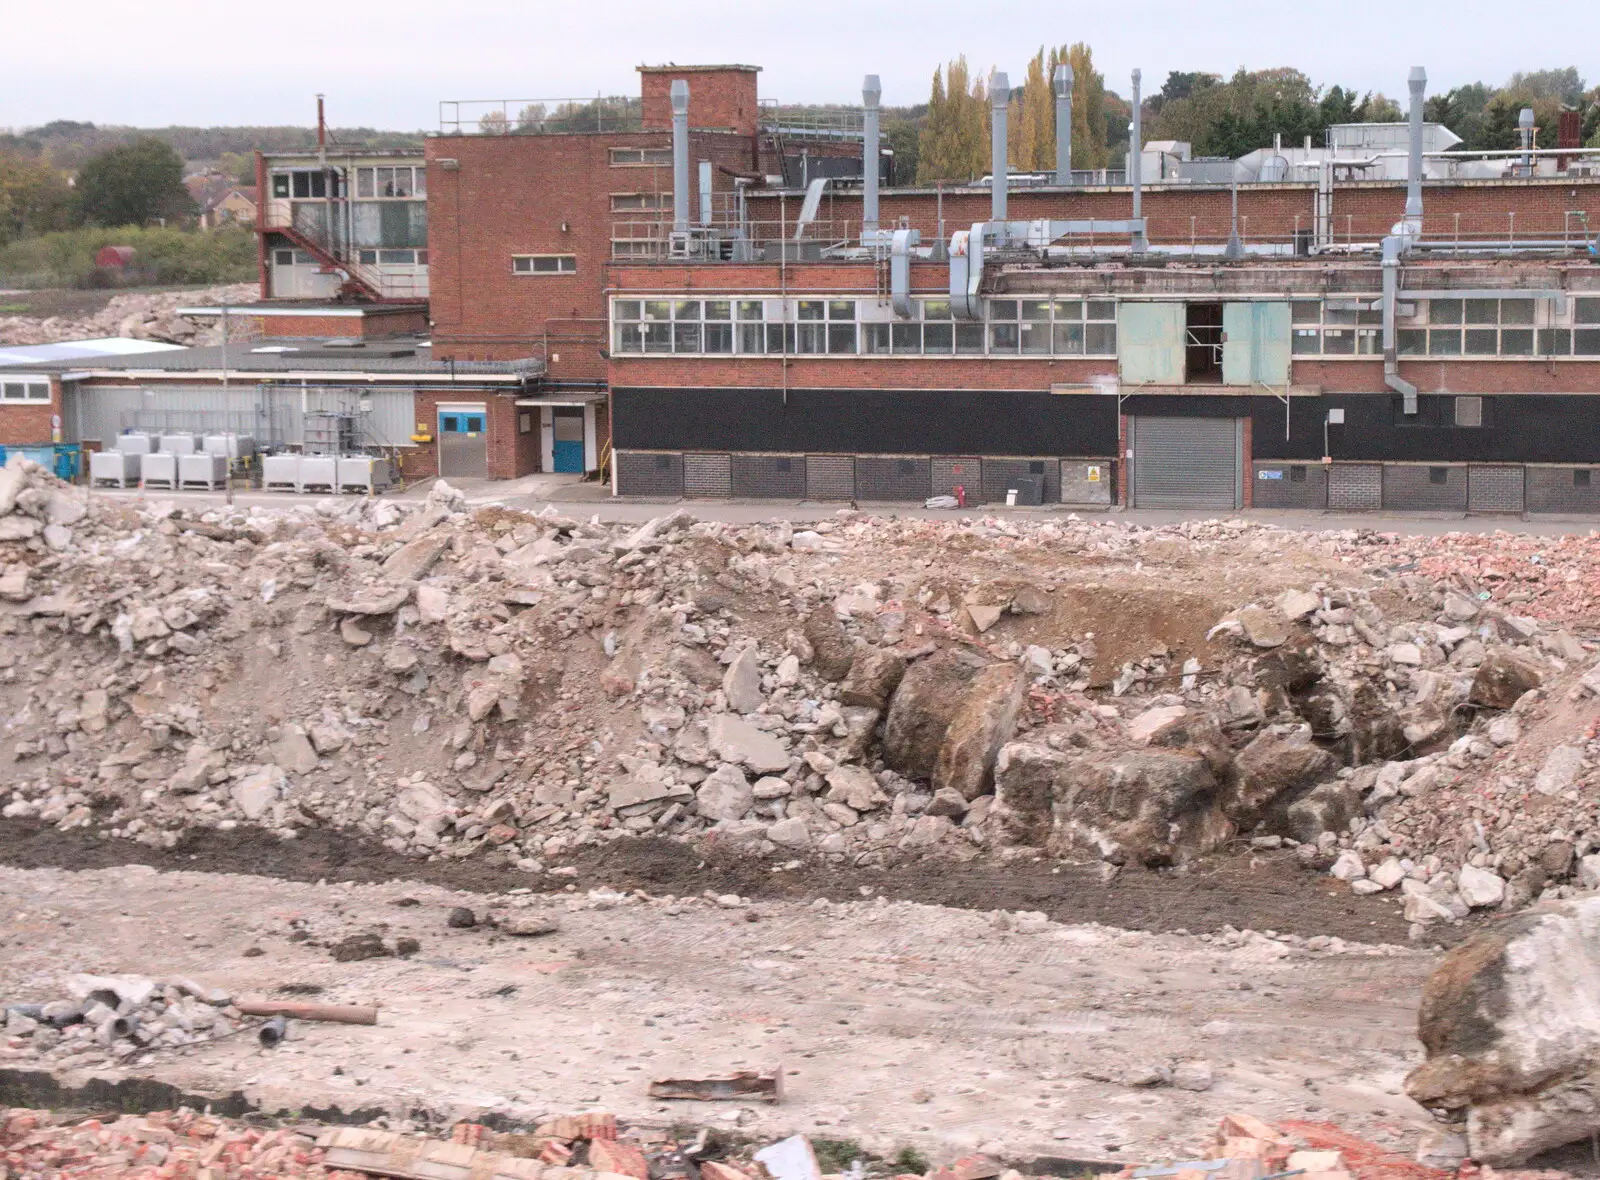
point(556, 116)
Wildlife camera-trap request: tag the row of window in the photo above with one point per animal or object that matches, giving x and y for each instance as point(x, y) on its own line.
point(834, 327)
point(364, 257)
point(544, 264)
point(25, 391)
point(1448, 327)
point(402, 180)
point(624, 156)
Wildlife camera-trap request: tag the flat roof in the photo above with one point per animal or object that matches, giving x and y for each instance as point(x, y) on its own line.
point(76, 350)
point(697, 69)
point(333, 310)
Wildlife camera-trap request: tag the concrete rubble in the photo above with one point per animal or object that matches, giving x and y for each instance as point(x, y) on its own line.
point(139, 315)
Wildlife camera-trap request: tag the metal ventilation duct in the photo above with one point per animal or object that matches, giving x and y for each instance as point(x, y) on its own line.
point(1417, 80)
point(999, 175)
point(871, 92)
point(680, 156)
point(1063, 81)
point(1135, 165)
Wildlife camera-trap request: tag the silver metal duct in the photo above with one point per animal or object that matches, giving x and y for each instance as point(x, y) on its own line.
point(680, 156)
point(1135, 165)
point(1525, 130)
point(1418, 82)
point(999, 173)
point(705, 193)
point(1063, 82)
point(871, 92)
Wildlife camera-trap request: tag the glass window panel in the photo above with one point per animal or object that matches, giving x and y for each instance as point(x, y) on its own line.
point(1339, 342)
point(1102, 309)
point(1036, 337)
point(938, 338)
point(283, 257)
point(906, 337)
point(1306, 342)
point(302, 184)
point(1340, 316)
point(809, 339)
point(686, 309)
point(1411, 341)
point(841, 309)
point(1516, 341)
point(397, 257)
point(657, 309)
point(969, 339)
point(385, 182)
point(1483, 311)
point(1516, 311)
point(1586, 342)
point(875, 339)
point(1036, 309)
point(780, 339)
point(1002, 338)
point(1482, 342)
point(1444, 342)
point(1369, 342)
point(842, 338)
point(809, 309)
point(1444, 311)
point(751, 339)
point(1305, 311)
point(364, 184)
point(627, 309)
point(752, 310)
point(718, 309)
point(1586, 311)
point(1555, 341)
point(402, 182)
point(935, 309)
point(280, 186)
point(1069, 309)
point(367, 257)
point(420, 188)
point(629, 338)
point(1100, 339)
point(717, 337)
point(1369, 317)
point(658, 337)
point(1068, 338)
point(14, 391)
point(1002, 309)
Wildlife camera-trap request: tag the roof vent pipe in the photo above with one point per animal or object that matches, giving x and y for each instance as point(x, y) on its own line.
point(1063, 82)
point(999, 177)
point(680, 156)
point(1418, 82)
point(1525, 130)
point(1135, 165)
point(871, 92)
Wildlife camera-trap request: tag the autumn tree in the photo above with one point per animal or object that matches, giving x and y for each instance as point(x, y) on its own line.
point(34, 198)
point(954, 143)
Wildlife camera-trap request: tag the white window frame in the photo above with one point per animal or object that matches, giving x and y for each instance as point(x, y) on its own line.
point(619, 157)
point(531, 271)
point(35, 391)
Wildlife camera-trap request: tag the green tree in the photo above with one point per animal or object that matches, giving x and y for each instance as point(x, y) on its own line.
point(134, 185)
point(954, 144)
point(240, 167)
point(1090, 136)
point(1032, 121)
point(34, 198)
point(901, 133)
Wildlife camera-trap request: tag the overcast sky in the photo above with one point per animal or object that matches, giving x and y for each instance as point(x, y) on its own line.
point(387, 64)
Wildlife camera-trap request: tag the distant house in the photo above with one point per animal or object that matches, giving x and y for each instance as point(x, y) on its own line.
point(235, 206)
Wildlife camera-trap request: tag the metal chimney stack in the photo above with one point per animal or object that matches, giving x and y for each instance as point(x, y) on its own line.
point(1136, 163)
point(999, 174)
point(1525, 130)
point(871, 92)
point(1418, 82)
point(680, 156)
point(1063, 82)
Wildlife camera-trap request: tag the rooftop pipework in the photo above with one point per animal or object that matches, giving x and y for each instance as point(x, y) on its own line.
point(999, 97)
point(680, 156)
point(1417, 80)
point(1135, 169)
point(1063, 82)
point(871, 92)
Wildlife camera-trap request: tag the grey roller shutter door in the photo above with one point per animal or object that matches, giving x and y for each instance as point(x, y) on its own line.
point(1186, 463)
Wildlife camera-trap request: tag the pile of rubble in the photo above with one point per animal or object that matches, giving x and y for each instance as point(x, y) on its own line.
point(137, 315)
point(105, 1018)
point(521, 686)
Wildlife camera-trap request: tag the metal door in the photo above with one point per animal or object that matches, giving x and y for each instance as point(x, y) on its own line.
point(1150, 340)
point(463, 444)
point(567, 433)
point(1186, 462)
point(1255, 343)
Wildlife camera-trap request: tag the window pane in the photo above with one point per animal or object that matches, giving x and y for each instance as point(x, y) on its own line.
point(969, 339)
point(1036, 337)
point(809, 339)
point(842, 338)
point(1483, 311)
point(421, 187)
point(629, 338)
point(367, 257)
point(1102, 309)
point(280, 186)
point(1306, 342)
point(1516, 311)
point(938, 338)
point(1516, 341)
point(1036, 309)
point(1444, 342)
point(1339, 342)
point(1482, 342)
point(686, 337)
point(386, 182)
point(402, 182)
point(1369, 342)
point(875, 338)
point(627, 309)
point(718, 309)
point(686, 309)
point(364, 182)
point(13, 391)
point(1586, 311)
point(751, 310)
point(1369, 317)
point(1340, 316)
point(283, 257)
point(1069, 309)
point(751, 339)
point(1586, 342)
point(658, 337)
point(907, 337)
point(657, 309)
point(302, 184)
point(1555, 341)
point(1100, 339)
point(808, 309)
point(1002, 338)
point(1411, 341)
point(397, 257)
point(1002, 309)
point(935, 309)
point(841, 309)
point(1068, 338)
point(422, 258)
point(1305, 311)
point(775, 338)
point(1444, 311)
point(717, 337)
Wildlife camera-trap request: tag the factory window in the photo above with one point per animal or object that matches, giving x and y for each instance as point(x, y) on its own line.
point(631, 202)
point(280, 185)
point(1555, 341)
point(1297, 473)
point(308, 185)
point(1586, 311)
point(544, 264)
point(25, 391)
point(635, 248)
point(1586, 342)
point(283, 257)
point(1469, 411)
point(397, 257)
point(1322, 329)
point(1040, 327)
point(623, 157)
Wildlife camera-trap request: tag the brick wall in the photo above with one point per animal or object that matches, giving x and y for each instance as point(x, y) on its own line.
point(1494, 489)
point(1284, 491)
point(1355, 487)
point(30, 424)
point(376, 322)
point(1555, 489)
point(722, 97)
point(1411, 488)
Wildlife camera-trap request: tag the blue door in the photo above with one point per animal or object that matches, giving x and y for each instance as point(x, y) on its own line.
point(567, 443)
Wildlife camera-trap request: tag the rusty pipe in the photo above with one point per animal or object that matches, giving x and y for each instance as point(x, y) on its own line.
point(334, 1013)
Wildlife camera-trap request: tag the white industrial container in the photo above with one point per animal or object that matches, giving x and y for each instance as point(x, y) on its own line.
point(280, 473)
point(179, 444)
point(319, 472)
point(203, 471)
point(135, 443)
point(234, 446)
point(363, 473)
point(159, 471)
point(116, 469)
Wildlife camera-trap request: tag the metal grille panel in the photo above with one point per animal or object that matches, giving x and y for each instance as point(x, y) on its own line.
point(893, 479)
point(830, 477)
point(708, 476)
point(1185, 463)
point(1494, 489)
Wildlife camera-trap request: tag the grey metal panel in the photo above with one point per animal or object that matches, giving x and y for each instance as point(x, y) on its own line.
point(1000, 475)
point(879, 478)
point(1355, 487)
point(950, 472)
point(708, 475)
point(647, 473)
point(831, 477)
point(269, 414)
point(1086, 481)
point(1185, 463)
point(1556, 489)
point(1276, 485)
point(1411, 488)
point(781, 477)
point(1495, 489)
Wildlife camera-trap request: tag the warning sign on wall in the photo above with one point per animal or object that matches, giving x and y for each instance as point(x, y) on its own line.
point(1094, 475)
